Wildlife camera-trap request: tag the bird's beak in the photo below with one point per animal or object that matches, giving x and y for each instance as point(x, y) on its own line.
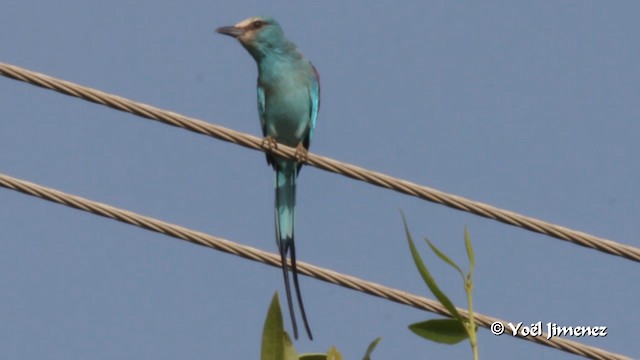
point(231, 31)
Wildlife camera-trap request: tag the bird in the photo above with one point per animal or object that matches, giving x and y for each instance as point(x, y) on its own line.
point(288, 104)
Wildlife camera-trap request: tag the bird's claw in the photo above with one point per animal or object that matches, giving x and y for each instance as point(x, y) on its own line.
point(302, 154)
point(269, 143)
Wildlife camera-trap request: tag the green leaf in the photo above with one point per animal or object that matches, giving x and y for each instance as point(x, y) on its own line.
point(445, 258)
point(372, 346)
point(428, 279)
point(443, 331)
point(470, 254)
point(276, 344)
point(313, 357)
point(334, 354)
point(289, 351)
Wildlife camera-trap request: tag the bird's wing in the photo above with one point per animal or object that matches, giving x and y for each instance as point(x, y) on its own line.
point(314, 94)
point(263, 118)
point(261, 110)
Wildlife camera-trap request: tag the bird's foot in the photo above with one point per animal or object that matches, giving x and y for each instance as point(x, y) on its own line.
point(269, 143)
point(302, 154)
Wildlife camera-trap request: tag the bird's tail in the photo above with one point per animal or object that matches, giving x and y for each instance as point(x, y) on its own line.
point(286, 173)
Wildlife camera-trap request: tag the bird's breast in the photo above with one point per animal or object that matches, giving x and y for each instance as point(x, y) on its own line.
point(287, 110)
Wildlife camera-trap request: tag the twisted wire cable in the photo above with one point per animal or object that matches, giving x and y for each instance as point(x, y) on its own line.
point(254, 254)
point(352, 171)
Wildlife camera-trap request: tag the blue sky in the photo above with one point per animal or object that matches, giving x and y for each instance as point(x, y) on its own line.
point(528, 107)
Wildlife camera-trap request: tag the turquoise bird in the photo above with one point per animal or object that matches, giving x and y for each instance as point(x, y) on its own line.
point(288, 104)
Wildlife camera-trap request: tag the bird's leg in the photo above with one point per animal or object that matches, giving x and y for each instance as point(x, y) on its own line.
point(301, 153)
point(269, 143)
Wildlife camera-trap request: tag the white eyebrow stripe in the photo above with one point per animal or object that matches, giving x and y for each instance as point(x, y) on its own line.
point(245, 22)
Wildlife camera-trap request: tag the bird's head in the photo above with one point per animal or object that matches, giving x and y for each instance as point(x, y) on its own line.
point(258, 34)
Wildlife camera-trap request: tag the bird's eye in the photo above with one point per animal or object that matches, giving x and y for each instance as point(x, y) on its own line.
point(257, 24)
